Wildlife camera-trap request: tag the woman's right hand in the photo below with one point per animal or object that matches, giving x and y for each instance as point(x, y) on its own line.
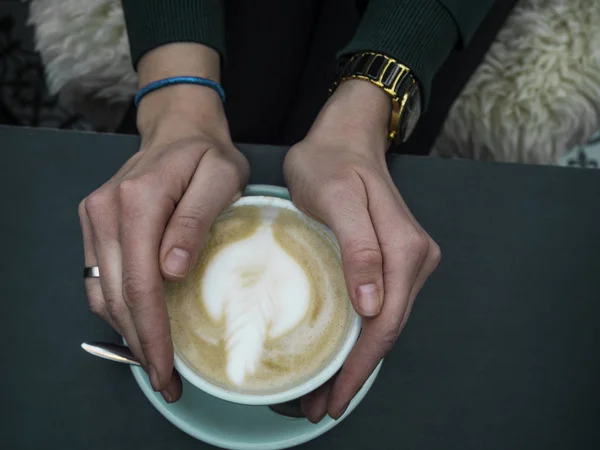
point(150, 220)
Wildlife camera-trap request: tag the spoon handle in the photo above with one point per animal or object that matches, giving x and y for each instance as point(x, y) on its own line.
point(112, 352)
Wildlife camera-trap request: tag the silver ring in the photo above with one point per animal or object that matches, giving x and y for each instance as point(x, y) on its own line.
point(91, 272)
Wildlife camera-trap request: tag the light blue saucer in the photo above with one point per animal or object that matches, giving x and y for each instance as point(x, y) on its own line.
point(239, 427)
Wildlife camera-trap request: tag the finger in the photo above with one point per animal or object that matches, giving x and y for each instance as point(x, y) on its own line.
point(345, 208)
point(146, 202)
point(143, 216)
point(101, 213)
point(433, 257)
point(404, 249)
point(92, 285)
point(189, 224)
point(109, 264)
point(172, 392)
point(431, 262)
point(314, 404)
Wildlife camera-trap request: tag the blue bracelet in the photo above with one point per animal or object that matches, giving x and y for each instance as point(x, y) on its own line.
point(178, 80)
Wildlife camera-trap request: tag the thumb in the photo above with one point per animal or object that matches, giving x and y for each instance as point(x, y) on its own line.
point(349, 219)
point(190, 223)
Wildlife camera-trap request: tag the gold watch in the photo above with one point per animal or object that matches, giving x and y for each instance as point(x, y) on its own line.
point(396, 80)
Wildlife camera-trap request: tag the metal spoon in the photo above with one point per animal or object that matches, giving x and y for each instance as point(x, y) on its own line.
point(122, 354)
point(112, 352)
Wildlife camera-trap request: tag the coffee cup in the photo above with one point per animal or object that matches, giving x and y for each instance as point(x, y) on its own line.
point(264, 316)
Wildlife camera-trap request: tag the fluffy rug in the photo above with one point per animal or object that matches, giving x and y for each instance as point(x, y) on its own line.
point(536, 94)
point(84, 47)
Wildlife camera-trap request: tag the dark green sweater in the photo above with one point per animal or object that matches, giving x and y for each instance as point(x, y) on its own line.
point(418, 33)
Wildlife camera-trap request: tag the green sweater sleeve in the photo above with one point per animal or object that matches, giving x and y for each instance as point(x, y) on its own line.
point(151, 23)
point(418, 33)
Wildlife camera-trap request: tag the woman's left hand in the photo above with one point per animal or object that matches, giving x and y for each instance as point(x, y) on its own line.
point(338, 175)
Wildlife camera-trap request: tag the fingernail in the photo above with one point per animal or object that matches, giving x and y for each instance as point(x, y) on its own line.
point(177, 262)
point(166, 395)
point(152, 372)
point(368, 299)
point(306, 410)
point(321, 417)
point(341, 412)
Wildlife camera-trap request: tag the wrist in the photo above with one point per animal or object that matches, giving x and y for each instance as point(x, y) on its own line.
point(175, 109)
point(183, 108)
point(179, 59)
point(356, 115)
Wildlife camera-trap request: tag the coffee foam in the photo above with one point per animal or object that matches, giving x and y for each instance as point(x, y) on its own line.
point(266, 305)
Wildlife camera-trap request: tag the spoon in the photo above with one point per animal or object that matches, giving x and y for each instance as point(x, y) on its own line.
point(112, 352)
point(122, 354)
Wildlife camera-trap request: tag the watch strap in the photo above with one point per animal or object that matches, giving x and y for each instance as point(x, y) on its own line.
point(394, 78)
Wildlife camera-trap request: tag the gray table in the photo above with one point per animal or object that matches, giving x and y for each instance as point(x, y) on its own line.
point(502, 351)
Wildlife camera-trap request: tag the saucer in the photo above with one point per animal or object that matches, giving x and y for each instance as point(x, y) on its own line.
point(239, 427)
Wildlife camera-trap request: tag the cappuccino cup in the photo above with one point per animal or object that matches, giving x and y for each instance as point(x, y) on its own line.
point(264, 316)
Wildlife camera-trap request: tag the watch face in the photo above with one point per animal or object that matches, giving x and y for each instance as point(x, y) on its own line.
point(411, 113)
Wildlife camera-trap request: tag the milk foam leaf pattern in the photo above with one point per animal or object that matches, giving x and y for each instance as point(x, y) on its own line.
point(261, 294)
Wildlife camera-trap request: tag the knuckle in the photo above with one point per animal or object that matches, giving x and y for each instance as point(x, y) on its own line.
point(116, 309)
point(364, 254)
point(132, 189)
point(136, 290)
point(97, 307)
point(98, 203)
point(242, 165)
point(435, 254)
point(417, 244)
point(98, 302)
point(227, 169)
point(190, 219)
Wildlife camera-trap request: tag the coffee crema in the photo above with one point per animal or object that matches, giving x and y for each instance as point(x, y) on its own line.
point(266, 306)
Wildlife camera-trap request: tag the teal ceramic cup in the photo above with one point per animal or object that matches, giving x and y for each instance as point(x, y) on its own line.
point(272, 196)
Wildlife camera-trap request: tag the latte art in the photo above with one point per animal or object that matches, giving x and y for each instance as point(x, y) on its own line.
point(266, 305)
point(260, 291)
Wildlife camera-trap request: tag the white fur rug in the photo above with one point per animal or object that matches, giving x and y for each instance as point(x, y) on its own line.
point(84, 47)
point(536, 94)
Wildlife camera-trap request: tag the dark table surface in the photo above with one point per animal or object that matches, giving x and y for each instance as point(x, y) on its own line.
point(502, 350)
